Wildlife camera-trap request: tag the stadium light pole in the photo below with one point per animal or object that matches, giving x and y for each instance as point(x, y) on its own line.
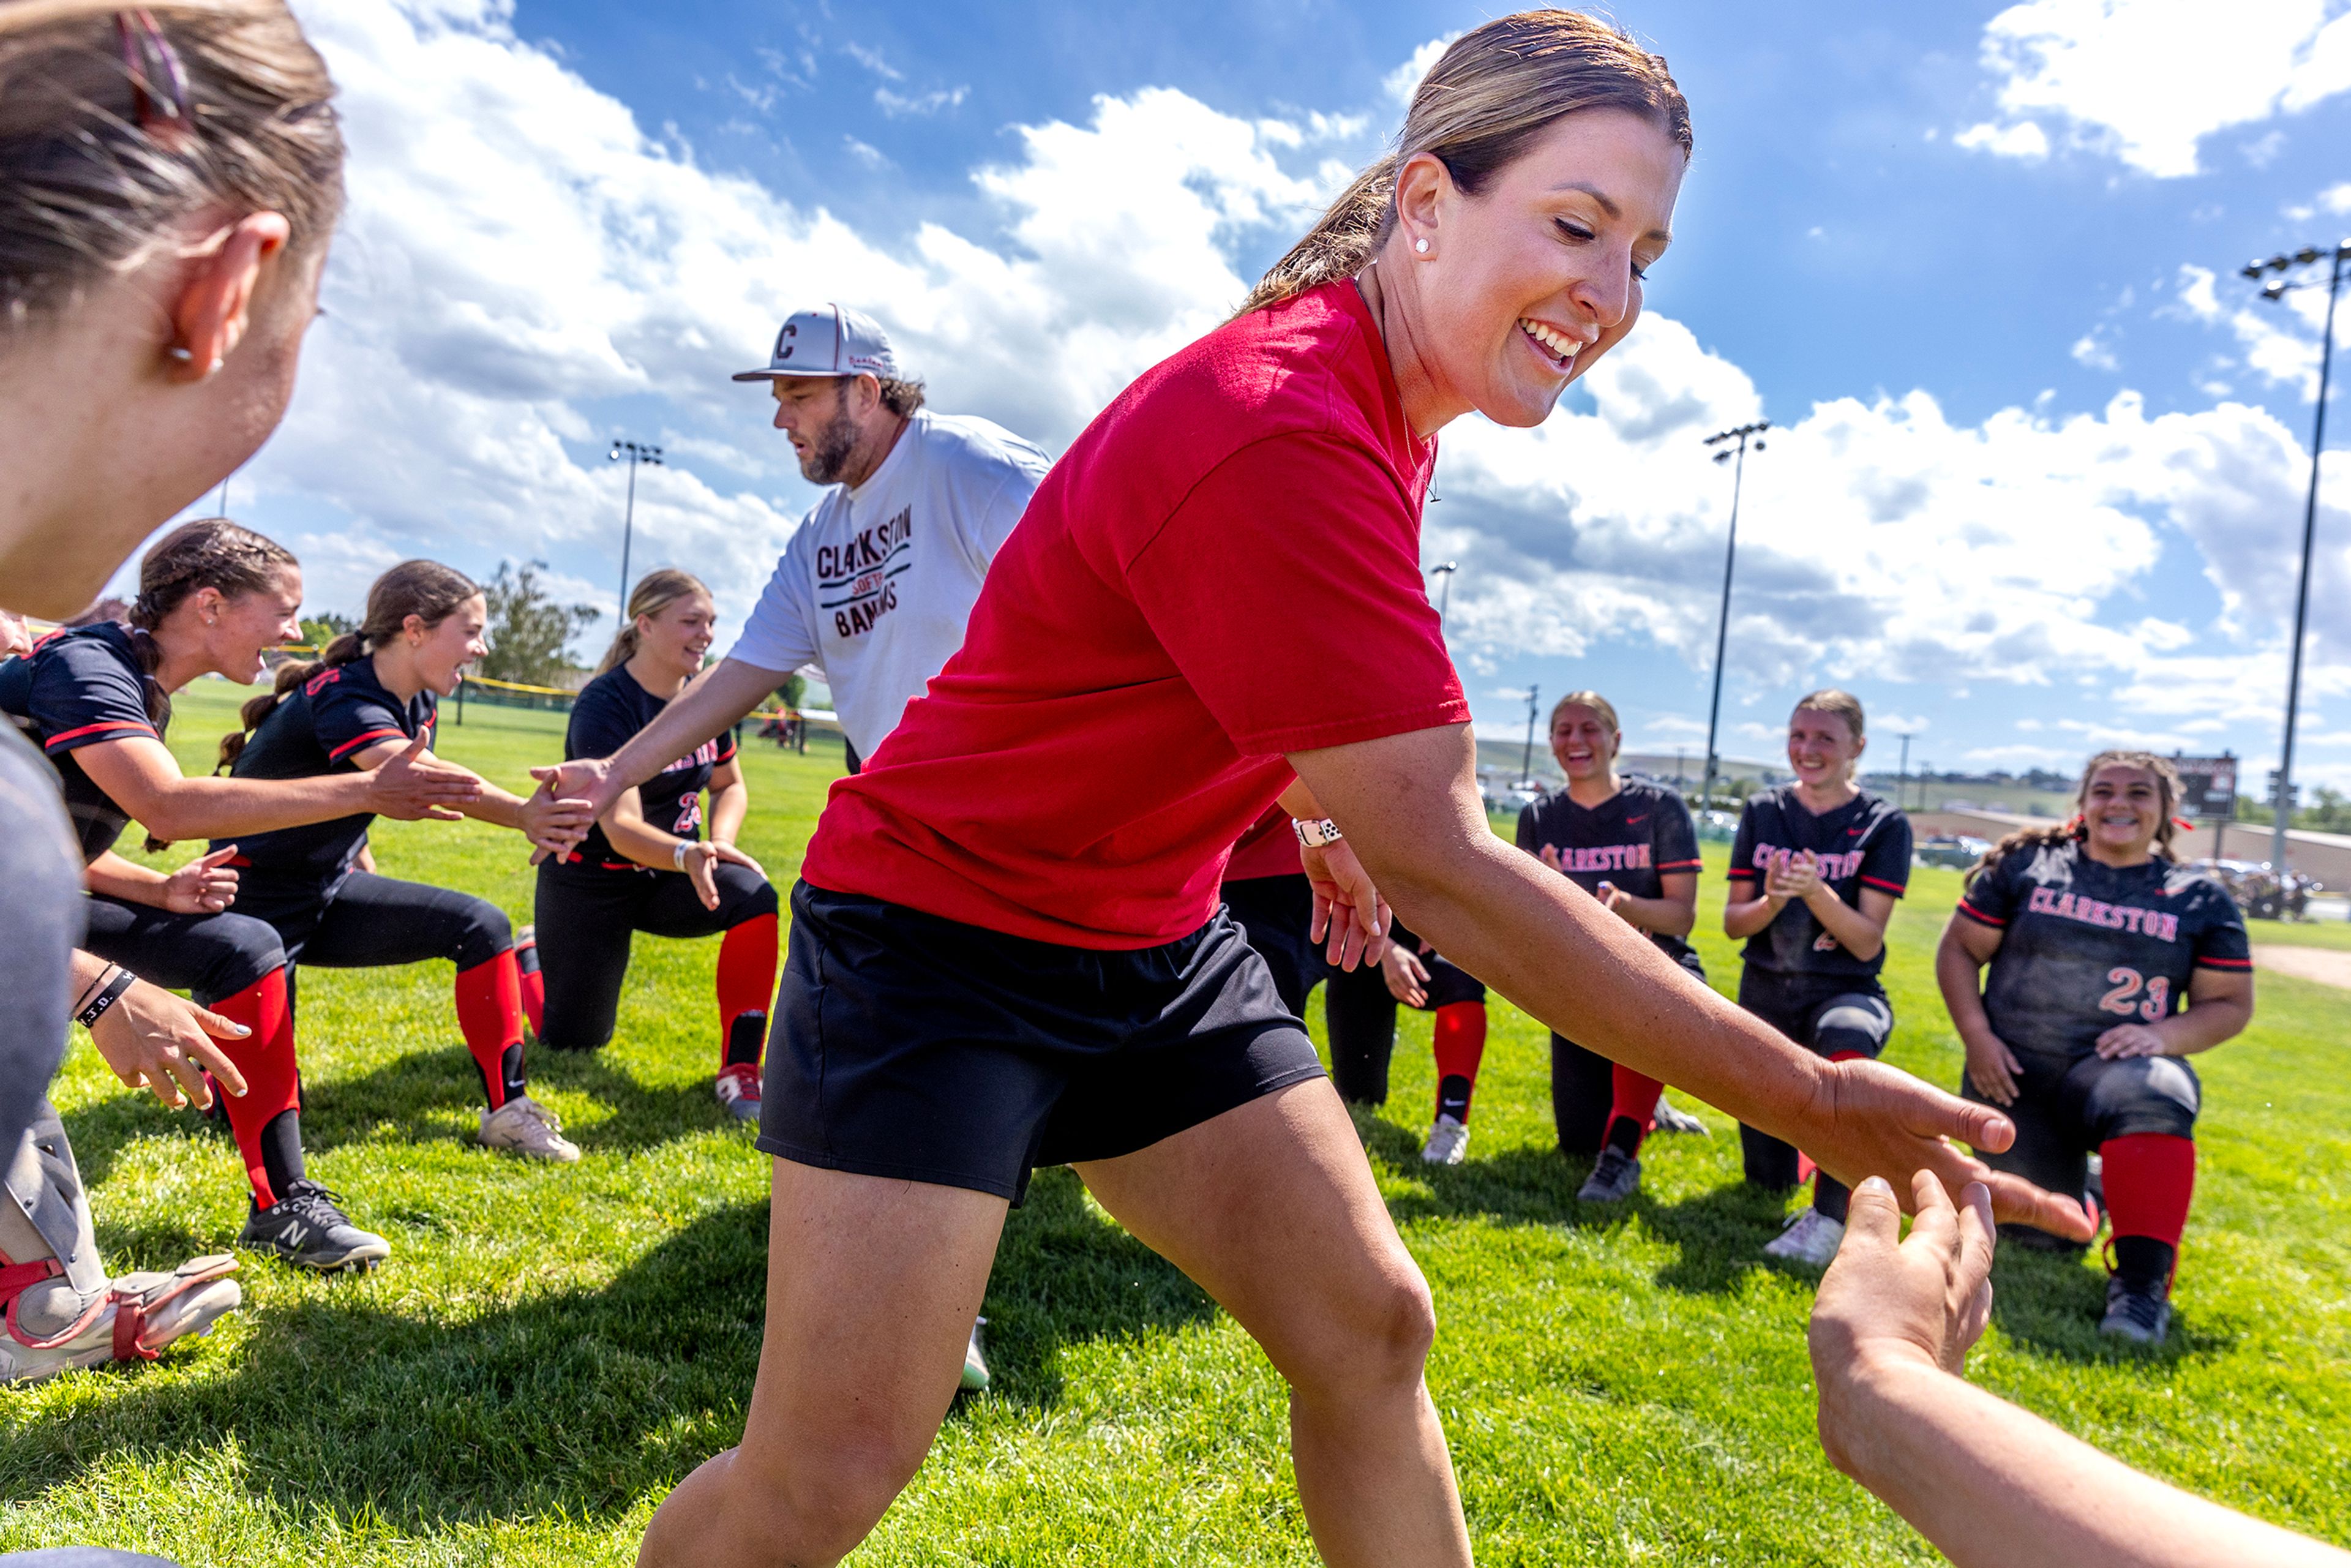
point(2277, 289)
point(636, 452)
point(1737, 458)
point(1444, 569)
point(1527, 759)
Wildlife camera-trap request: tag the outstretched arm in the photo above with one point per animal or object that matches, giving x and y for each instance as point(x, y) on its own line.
point(1991, 1485)
point(1409, 806)
point(716, 698)
point(489, 803)
point(140, 775)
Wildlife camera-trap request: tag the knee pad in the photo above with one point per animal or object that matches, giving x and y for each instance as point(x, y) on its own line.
point(54, 1276)
point(2143, 1094)
point(1853, 1026)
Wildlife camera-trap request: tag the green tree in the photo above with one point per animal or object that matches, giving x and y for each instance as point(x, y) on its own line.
point(326, 626)
point(529, 633)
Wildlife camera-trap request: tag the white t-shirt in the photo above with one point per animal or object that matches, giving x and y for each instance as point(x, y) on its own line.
point(876, 586)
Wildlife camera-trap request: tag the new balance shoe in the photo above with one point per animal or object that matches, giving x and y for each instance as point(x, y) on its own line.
point(974, 1365)
point(1811, 1238)
point(50, 1329)
point(1448, 1143)
point(1615, 1177)
point(309, 1228)
point(1672, 1118)
point(2142, 1317)
point(739, 1090)
point(524, 1126)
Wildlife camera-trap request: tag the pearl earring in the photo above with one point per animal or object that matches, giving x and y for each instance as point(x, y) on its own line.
point(1421, 246)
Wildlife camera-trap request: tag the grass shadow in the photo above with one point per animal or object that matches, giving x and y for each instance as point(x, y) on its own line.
point(577, 1402)
point(2049, 1304)
point(1718, 1234)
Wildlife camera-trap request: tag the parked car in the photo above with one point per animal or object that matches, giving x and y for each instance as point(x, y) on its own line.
point(1956, 851)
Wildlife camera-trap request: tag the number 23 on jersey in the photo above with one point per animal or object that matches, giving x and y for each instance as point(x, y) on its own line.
point(2124, 996)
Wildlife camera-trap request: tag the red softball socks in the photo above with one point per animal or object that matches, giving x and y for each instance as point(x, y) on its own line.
point(1633, 1107)
point(1460, 1046)
point(489, 1014)
point(746, 983)
point(2150, 1180)
point(268, 1120)
point(534, 984)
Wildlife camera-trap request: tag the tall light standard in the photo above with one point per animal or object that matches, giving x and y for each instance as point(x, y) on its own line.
point(636, 452)
point(2276, 288)
point(1737, 458)
point(1444, 569)
point(1527, 761)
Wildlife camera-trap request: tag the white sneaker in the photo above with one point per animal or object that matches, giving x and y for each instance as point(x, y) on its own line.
point(1448, 1143)
point(524, 1126)
point(1672, 1118)
point(1811, 1238)
point(974, 1365)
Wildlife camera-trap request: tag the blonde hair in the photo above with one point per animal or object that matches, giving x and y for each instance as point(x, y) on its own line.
point(1599, 705)
point(2167, 789)
point(119, 124)
point(424, 589)
point(654, 592)
point(1843, 704)
point(1493, 90)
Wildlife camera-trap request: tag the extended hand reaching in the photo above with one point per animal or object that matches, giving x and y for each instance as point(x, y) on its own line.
point(203, 886)
point(581, 782)
point(1350, 915)
point(414, 785)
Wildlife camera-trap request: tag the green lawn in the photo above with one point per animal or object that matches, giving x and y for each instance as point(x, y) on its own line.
point(548, 1351)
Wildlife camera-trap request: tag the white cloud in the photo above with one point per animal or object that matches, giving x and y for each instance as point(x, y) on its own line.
point(2023, 140)
point(865, 152)
point(2147, 81)
point(2088, 350)
point(898, 105)
point(1404, 80)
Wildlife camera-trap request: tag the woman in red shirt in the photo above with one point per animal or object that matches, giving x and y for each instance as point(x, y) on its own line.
point(1005, 951)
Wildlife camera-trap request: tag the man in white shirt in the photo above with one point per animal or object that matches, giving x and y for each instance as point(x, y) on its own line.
point(875, 587)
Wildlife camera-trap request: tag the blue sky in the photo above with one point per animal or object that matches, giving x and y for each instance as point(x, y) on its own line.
point(2043, 485)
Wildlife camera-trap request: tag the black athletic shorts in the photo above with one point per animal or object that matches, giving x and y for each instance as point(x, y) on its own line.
point(1275, 914)
point(912, 1046)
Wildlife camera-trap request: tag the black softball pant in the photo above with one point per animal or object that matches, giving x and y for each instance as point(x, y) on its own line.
point(585, 917)
point(1359, 1014)
point(1583, 1086)
point(1838, 1024)
point(2068, 1106)
point(208, 956)
point(368, 921)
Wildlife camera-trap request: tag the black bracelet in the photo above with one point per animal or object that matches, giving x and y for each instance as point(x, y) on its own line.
point(122, 981)
point(104, 974)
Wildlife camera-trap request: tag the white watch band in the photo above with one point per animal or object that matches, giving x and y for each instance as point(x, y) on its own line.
point(677, 855)
point(1315, 831)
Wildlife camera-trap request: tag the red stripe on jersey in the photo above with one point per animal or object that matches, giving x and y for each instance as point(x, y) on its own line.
point(63, 735)
point(1972, 912)
point(352, 745)
point(2239, 964)
point(1740, 875)
point(1681, 865)
point(1896, 888)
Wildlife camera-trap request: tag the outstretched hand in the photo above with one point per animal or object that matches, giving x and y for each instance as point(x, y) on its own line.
point(583, 782)
point(205, 886)
point(414, 785)
point(1351, 918)
point(1875, 1120)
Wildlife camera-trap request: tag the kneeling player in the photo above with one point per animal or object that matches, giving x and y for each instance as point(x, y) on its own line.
point(1359, 1008)
point(1816, 869)
point(370, 699)
point(646, 866)
point(2109, 963)
point(1632, 847)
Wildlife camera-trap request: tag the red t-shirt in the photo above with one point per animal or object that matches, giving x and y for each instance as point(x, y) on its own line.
point(1224, 568)
point(1269, 849)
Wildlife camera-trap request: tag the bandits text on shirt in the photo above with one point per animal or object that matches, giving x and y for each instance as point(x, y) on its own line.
point(853, 579)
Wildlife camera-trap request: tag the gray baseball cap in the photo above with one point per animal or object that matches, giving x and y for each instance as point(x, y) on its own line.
point(828, 340)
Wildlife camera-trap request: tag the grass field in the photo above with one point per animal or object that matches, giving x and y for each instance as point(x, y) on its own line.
point(548, 1351)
